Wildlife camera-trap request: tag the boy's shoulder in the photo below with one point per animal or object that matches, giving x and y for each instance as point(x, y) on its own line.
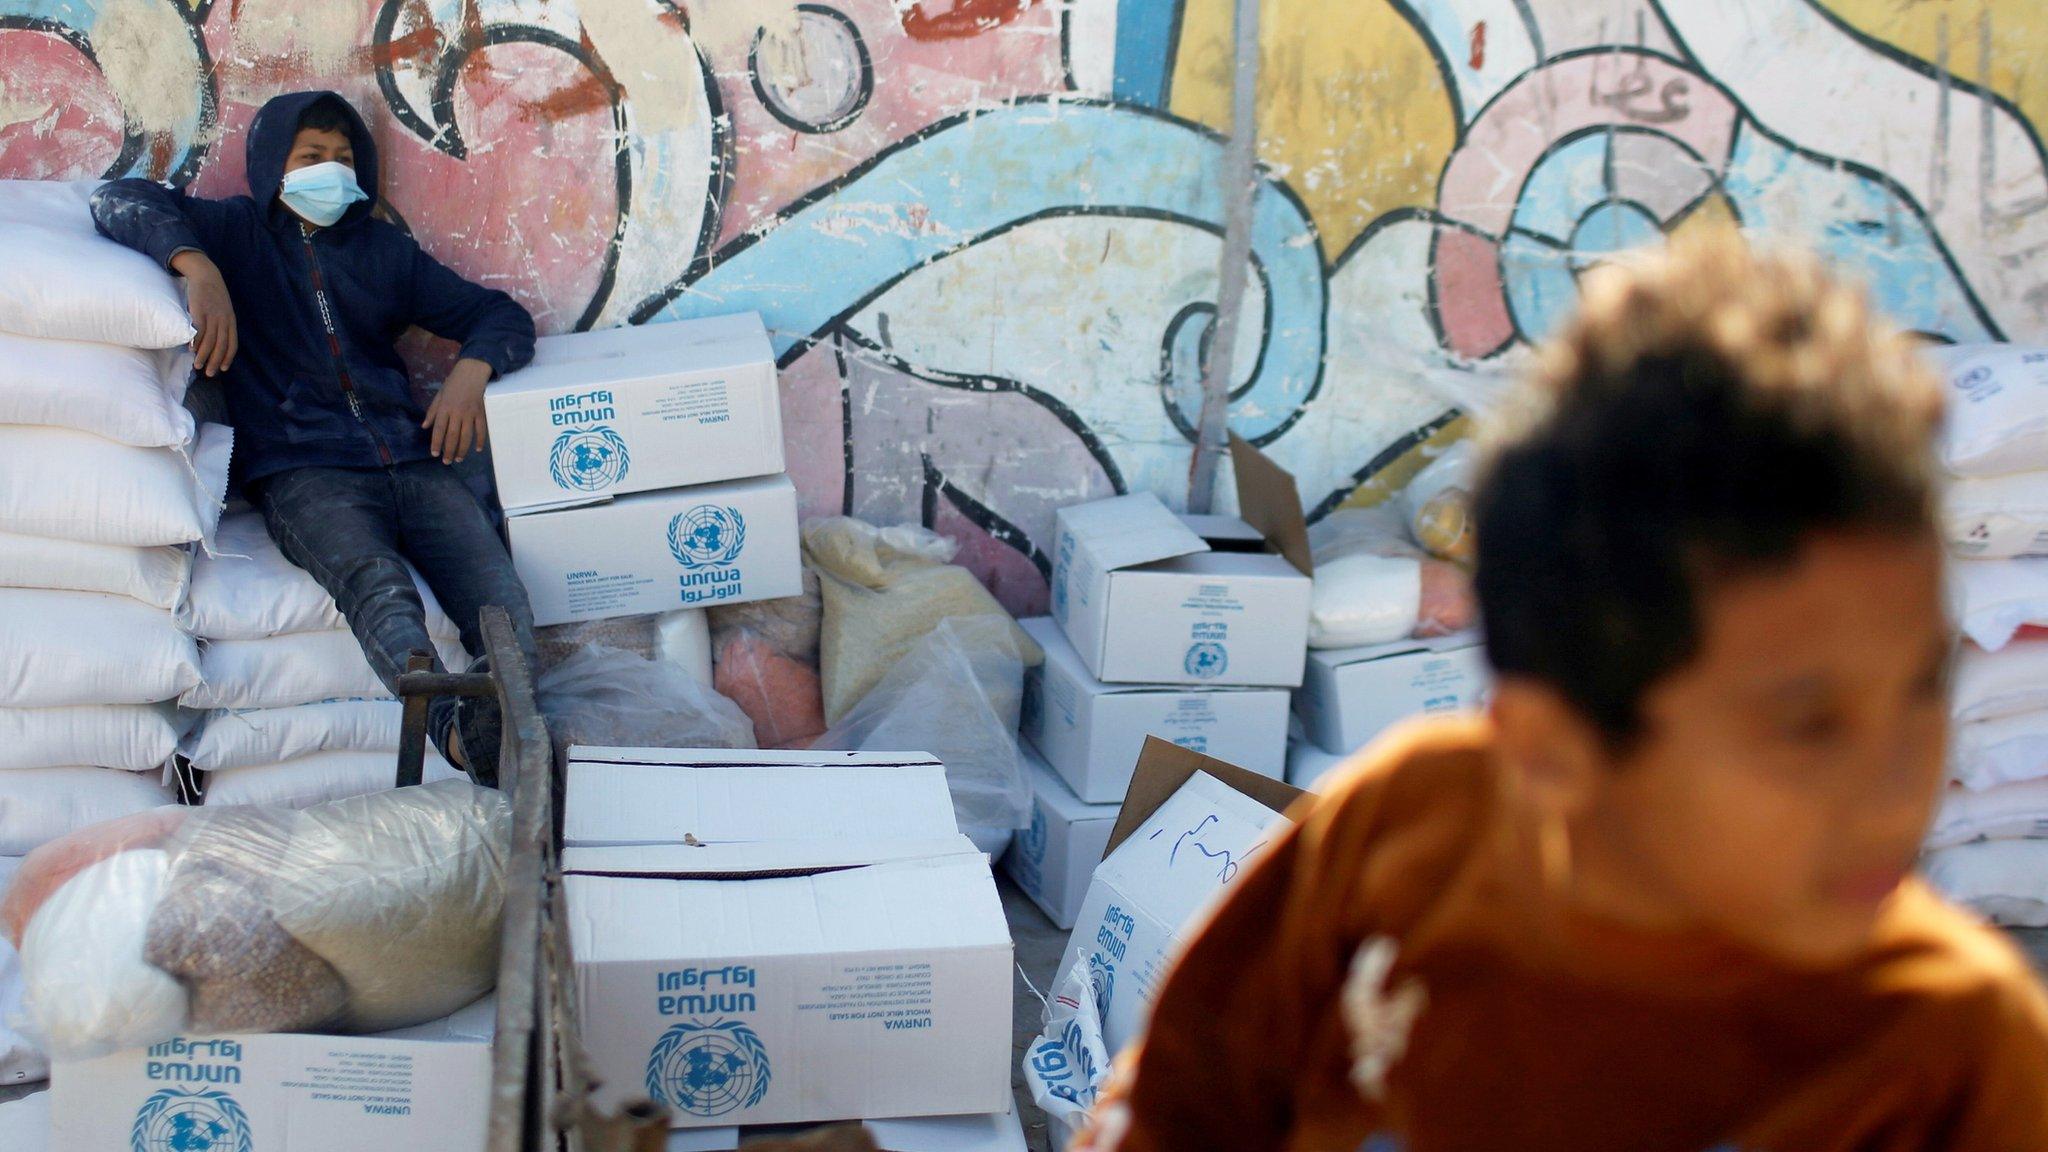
point(1965, 971)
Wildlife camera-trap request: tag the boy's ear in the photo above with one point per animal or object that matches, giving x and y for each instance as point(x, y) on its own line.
point(1554, 752)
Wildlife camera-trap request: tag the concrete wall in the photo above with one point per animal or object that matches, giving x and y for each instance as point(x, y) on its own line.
point(986, 232)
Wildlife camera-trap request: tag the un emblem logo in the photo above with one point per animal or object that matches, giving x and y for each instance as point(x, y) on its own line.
point(1206, 660)
point(1032, 841)
point(588, 459)
point(708, 1069)
point(707, 535)
point(175, 1120)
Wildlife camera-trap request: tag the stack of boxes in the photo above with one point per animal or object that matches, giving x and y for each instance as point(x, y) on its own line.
point(1190, 629)
point(641, 470)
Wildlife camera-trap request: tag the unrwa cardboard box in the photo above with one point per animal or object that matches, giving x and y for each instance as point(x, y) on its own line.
point(627, 796)
point(1092, 732)
point(1053, 859)
point(1190, 827)
point(425, 1087)
point(635, 410)
point(1351, 695)
point(659, 551)
point(768, 981)
point(991, 1133)
point(1147, 600)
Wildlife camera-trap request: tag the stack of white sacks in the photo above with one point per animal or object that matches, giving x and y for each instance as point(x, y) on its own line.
point(294, 714)
point(105, 486)
point(1989, 844)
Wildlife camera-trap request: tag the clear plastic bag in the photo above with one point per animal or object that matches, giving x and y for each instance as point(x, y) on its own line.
point(956, 695)
point(681, 637)
point(603, 695)
point(1374, 586)
point(779, 693)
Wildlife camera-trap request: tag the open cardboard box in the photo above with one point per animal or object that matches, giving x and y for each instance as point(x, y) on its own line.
point(1148, 597)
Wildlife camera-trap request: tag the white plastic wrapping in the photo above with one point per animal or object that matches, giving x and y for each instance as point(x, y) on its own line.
point(1997, 408)
point(156, 576)
point(319, 778)
point(38, 805)
point(247, 590)
point(21, 1062)
point(1068, 1064)
point(2005, 880)
point(602, 695)
point(2008, 682)
point(127, 395)
point(60, 648)
point(1374, 586)
point(88, 991)
point(956, 695)
point(1997, 517)
point(76, 486)
point(300, 668)
point(1988, 753)
point(62, 280)
point(1438, 504)
point(132, 737)
point(243, 738)
point(1996, 598)
point(2015, 811)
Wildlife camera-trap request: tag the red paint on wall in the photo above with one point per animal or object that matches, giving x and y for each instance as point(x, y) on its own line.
point(958, 19)
point(71, 128)
point(1479, 45)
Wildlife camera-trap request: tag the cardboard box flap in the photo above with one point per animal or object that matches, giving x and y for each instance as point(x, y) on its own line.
point(749, 861)
point(939, 902)
point(1268, 500)
point(1163, 768)
point(741, 757)
point(666, 803)
point(1126, 531)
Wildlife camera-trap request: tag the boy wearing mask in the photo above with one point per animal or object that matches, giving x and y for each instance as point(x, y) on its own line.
point(298, 294)
point(1659, 897)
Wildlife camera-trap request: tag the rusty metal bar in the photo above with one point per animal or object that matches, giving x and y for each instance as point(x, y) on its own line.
point(412, 742)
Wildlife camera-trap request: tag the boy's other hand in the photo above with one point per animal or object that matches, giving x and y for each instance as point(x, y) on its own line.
point(213, 313)
point(457, 414)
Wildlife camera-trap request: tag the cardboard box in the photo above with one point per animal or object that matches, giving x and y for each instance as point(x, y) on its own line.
point(991, 1133)
point(1307, 764)
point(1145, 599)
point(1187, 829)
point(426, 1087)
point(659, 551)
point(615, 796)
point(636, 410)
point(1053, 859)
point(1092, 732)
point(1351, 695)
point(804, 983)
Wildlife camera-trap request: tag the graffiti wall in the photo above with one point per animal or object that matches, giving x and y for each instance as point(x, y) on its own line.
point(985, 233)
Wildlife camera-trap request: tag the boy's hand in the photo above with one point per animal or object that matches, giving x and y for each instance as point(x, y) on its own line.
point(457, 413)
point(213, 313)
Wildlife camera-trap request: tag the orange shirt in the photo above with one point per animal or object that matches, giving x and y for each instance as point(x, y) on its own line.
point(1396, 977)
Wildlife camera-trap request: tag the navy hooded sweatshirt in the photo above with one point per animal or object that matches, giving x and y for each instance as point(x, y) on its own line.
point(316, 381)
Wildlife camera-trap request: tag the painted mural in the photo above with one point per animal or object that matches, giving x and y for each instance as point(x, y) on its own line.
point(985, 233)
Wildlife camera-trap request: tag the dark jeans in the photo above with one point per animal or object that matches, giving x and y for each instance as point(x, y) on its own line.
point(353, 529)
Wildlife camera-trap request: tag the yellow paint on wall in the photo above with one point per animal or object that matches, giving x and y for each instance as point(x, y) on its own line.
point(2018, 30)
point(1353, 112)
point(1390, 481)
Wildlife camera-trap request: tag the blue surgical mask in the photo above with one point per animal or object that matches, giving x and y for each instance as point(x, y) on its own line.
point(321, 192)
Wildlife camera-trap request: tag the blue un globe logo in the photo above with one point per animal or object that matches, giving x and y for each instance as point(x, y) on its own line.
point(708, 1069)
point(588, 459)
point(178, 1121)
point(1206, 660)
point(707, 535)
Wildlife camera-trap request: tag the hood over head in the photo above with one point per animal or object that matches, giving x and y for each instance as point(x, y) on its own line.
point(270, 144)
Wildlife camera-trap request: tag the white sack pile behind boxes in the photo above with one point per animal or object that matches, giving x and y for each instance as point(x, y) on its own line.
point(297, 716)
point(1989, 844)
point(105, 486)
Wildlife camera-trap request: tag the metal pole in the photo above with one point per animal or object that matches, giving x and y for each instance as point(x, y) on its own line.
point(1240, 182)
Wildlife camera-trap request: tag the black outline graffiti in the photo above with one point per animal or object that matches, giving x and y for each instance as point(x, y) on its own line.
point(1382, 461)
point(133, 144)
point(860, 99)
point(999, 529)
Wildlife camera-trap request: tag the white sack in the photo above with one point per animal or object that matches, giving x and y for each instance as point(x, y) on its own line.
point(1997, 408)
point(1997, 517)
point(1994, 599)
point(2007, 682)
point(37, 805)
point(59, 648)
point(2006, 880)
point(131, 737)
point(2007, 750)
point(317, 779)
point(683, 638)
point(2007, 812)
point(256, 736)
point(156, 576)
point(21, 1062)
point(127, 395)
point(247, 590)
point(283, 671)
point(89, 991)
point(76, 486)
point(62, 280)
